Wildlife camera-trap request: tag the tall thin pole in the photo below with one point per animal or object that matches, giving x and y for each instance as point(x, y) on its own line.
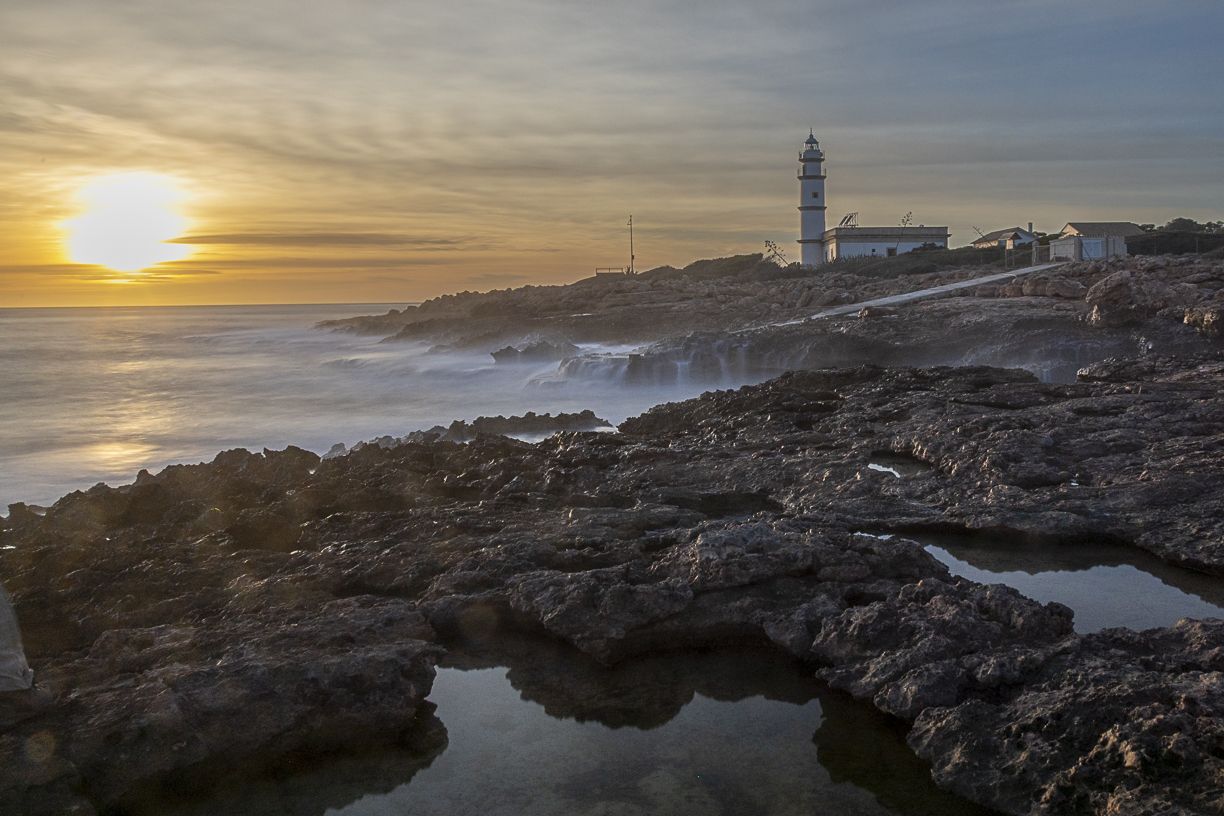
point(631, 259)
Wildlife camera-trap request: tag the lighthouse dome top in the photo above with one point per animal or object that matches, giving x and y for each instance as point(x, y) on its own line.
point(811, 147)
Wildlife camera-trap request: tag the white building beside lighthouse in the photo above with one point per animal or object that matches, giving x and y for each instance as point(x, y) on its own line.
point(811, 203)
point(818, 245)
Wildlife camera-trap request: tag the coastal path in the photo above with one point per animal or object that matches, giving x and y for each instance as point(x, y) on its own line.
point(921, 294)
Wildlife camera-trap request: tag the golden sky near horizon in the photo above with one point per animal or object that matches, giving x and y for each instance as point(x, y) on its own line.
point(389, 151)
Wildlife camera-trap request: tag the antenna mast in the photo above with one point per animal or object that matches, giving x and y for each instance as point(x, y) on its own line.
point(631, 258)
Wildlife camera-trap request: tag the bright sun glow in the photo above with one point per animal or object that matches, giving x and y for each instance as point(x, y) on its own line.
point(127, 220)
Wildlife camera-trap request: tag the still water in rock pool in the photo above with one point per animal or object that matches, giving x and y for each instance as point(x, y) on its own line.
point(741, 733)
point(1105, 585)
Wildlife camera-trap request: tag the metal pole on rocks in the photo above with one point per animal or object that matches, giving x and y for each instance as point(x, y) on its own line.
point(631, 260)
point(15, 674)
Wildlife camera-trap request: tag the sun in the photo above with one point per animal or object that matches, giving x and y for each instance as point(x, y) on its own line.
point(126, 222)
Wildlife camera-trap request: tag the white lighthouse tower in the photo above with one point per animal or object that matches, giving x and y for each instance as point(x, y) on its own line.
point(811, 203)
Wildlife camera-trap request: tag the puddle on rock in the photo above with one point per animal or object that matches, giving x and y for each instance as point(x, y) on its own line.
point(898, 465)
point(1106, 585)
point(719, 734)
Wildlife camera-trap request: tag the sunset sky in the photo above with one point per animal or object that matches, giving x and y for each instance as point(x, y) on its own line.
point(371, 150)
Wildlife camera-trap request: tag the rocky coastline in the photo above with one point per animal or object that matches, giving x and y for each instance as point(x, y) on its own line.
point(725, 294)
point(214, 618)
point(268, 603)
point(530, 426)
point(738, 322)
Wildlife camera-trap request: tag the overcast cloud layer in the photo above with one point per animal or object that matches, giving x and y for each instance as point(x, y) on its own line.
point(375, 150)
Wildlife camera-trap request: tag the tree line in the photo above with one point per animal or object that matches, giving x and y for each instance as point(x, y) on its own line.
point(1187, 225)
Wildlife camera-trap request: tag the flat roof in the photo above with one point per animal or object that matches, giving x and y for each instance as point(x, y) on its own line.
point(875, 233)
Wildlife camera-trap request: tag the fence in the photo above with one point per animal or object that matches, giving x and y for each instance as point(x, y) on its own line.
point(1023, 256)
point(1161, 242)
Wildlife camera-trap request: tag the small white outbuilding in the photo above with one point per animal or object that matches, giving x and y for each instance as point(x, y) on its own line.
point(883, 242)
point(1092, 240)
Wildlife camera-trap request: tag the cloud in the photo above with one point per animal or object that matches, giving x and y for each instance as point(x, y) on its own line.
point(329, 262)
point(494, 279)
point(325, 239)
point(180, 272)
point(100, 273)
point(487, 280)
point(451, 135)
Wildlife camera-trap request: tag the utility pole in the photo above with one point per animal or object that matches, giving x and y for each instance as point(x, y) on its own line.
point(631, 259)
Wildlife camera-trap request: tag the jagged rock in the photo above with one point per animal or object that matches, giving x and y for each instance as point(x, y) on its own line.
point(529, 424)
point(1046, 335)
point(1123, 298)
point(745, 292)
point(1064, 288)
point(934, 643)
point(1033, 286)
point(1115, 723)
point(142, 705)
point(535, 352)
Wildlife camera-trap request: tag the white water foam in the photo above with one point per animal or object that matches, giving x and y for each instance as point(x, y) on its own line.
point(96, 394)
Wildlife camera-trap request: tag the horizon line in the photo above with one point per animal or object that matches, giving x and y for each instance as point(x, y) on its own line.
point(220, 305)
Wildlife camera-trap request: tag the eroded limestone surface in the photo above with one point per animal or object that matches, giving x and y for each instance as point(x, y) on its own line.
point(215, 615)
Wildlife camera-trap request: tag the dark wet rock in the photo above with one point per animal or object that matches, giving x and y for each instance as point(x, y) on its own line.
point(529, 424)
point(1119, 722)
point(933, 643)
point(385, 324)
point(269, 602)
point(1004, 449)
point(146, 704)
point(535, 352)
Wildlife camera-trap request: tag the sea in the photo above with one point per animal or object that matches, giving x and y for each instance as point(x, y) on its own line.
point(92, 395)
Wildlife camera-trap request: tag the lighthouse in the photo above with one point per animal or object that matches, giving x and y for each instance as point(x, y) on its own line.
point(811, 203)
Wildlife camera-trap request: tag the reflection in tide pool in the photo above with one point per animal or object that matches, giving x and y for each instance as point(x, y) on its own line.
point(1105, 585)
point(556, 735)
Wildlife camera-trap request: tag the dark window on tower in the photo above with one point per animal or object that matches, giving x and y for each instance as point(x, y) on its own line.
point(815, 195)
